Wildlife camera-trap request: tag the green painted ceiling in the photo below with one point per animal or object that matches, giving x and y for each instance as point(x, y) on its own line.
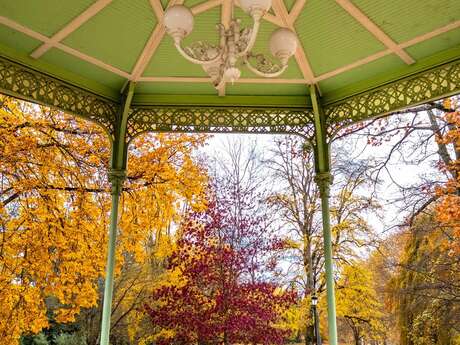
point(329, 35)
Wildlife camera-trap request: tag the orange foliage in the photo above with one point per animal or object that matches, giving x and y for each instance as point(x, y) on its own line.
point(55, 204)
point(448, 209)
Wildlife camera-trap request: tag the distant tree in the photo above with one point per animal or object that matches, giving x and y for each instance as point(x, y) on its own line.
point(357, 303)
point(224, 285)
point(54, 206)
point(213, 299)
point(295, 199)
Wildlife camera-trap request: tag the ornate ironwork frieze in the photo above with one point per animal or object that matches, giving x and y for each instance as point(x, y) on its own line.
point(22, 82)
point(220, 120)
point(414, 90)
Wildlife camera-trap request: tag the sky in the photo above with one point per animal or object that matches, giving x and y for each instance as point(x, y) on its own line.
point(403, 174)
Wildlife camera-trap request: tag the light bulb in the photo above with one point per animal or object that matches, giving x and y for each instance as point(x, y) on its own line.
point(178, 21)
point(283, 44)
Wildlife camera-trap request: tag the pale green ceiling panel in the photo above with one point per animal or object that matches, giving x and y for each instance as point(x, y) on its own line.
point(22, 43)
point(332, 38)
point(266, 89)
point(353, 78)
point(439, 43)
point(176, 88)
point(117, 34)
point(85, 69)
point(410, 18)
point(44, 16)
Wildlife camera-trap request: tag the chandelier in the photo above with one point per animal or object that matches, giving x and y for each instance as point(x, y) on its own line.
point(221, 62)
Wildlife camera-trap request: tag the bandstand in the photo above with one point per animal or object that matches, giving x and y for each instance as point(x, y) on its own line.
point(119, 64)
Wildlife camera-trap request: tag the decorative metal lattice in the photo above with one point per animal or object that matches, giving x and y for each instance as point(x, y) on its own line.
point(220, 120)
point(20, 81)
point(434, 84)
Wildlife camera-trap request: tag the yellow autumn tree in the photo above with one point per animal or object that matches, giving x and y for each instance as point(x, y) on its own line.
point(55, 203)
point(357, 303)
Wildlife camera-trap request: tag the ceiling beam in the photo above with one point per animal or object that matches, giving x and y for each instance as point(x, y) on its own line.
point(153, 41)
point(378, 33)
point(376, 56)
point(281, 12)
point(431, 34)
point(70, 27)
point(157, 8)
point(205, 6)
point(225, 19)
point(296, 10)
point(29, 32)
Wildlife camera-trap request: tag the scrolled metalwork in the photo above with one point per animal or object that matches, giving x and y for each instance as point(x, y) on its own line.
point(220, 120)
point(423, 87)
point(20, 81)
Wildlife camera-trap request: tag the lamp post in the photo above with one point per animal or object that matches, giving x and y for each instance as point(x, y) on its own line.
point(314, 303)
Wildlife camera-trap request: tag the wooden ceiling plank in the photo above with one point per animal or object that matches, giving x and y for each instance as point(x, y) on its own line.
point(151, 45)
point(301, 58)
point(296, 10)
point(205, 6)
point(71, 27)
point(378, 33)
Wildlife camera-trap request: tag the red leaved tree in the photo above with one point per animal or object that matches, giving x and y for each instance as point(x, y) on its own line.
point(216, 299)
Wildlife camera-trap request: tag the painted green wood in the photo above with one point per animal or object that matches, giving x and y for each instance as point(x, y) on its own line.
point(331, 37)
point(118, 33)
point(44, 16)
point(403, 20)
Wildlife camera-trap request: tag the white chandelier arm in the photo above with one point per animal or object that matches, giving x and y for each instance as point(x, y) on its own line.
point(199, 61)
point(252, 38)
point(256, 71)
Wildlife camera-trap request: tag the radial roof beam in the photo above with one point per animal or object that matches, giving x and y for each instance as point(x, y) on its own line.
point(92, 60)
point(154, 40)
point(288, 21)
point(378, 33)
point(205, 6)
point(296, 9)
point(71, 27)
point(378, 55)
point(225, 19)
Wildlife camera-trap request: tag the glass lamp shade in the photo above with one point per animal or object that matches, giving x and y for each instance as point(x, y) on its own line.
point(256, 6)
point(178, 21)
point(283, 44)
point(314, 300)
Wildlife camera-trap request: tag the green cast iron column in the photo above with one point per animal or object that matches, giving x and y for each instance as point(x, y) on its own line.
point(323, 179)
point(117, 175)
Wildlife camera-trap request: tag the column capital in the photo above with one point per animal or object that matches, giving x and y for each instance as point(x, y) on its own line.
point(324, 181)
point(116, 178)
